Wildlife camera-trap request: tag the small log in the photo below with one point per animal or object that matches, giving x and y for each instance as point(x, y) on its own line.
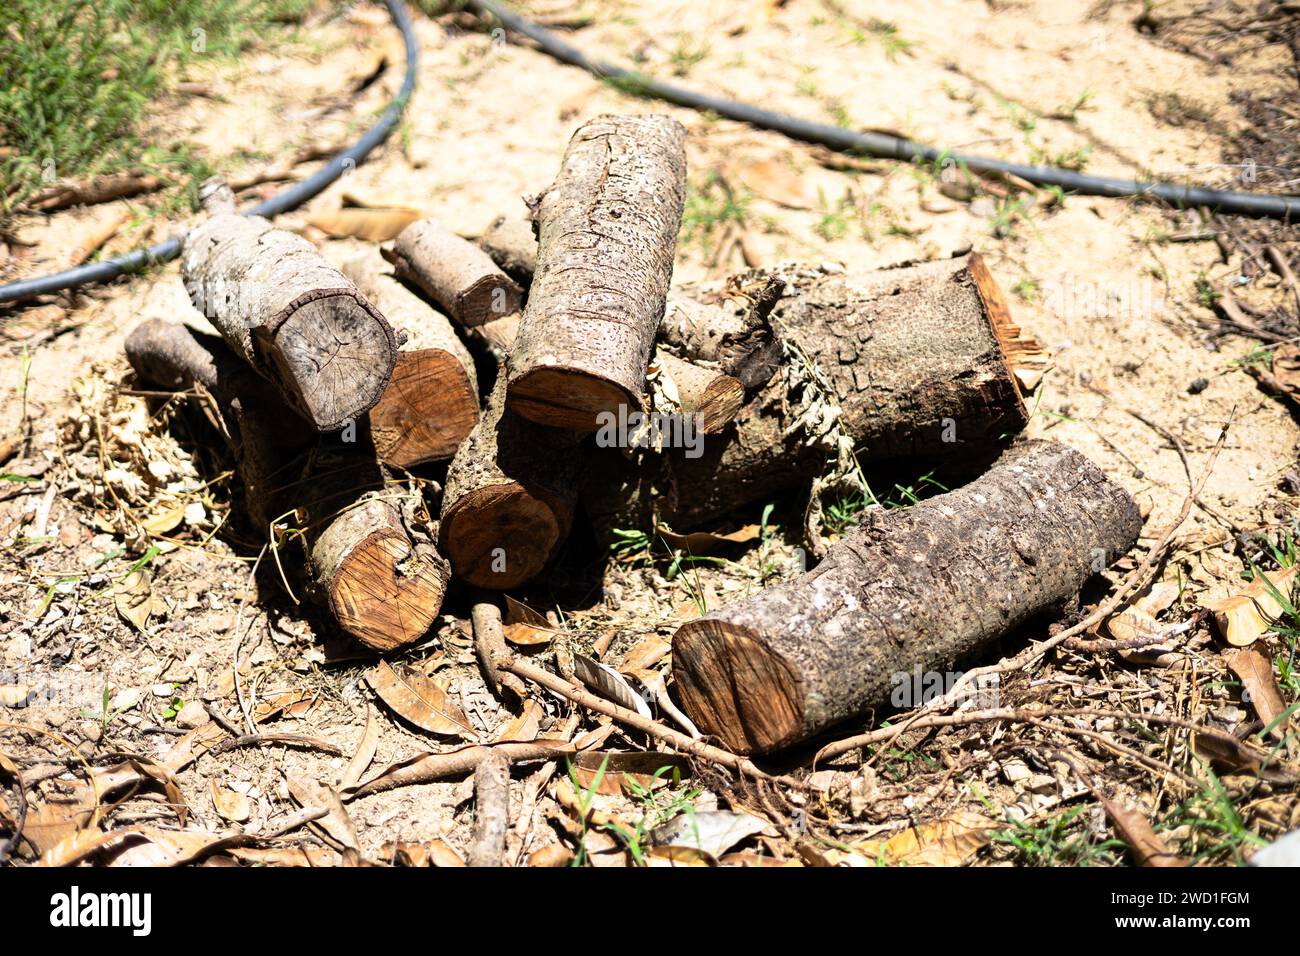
point(512, 244)
point(607, 230)
point(370, 557)
point(713, 396)
point(370, 550)
point(918, 587)
point(290, 314)
point(509, 497)
point(454, 272)
point(923, 362)
point(730, 331)
point(431, 403)
point(264, 434)
point(491, 811)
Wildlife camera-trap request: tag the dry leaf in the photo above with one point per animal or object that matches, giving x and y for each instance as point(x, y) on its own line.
point(746, 858)
point(336, 825)
point(709, 542)
point(644, 655)
point(1245, 616)
point(365, 751)
point(418, 699)
point(526, 726)
point(133, 598)
point(1148, 849)
point(776, 182)
point(609, 683)
point(525, 627)
point(678, 856)
point(1259, 688)
point(433, 853)
point(639, 767)
point(952, 841)
point(230, 805)
point(376, 225)
point(711, 831)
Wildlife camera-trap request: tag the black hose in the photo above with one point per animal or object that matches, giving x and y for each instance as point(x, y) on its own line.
point(893, 147)
point(283, 201)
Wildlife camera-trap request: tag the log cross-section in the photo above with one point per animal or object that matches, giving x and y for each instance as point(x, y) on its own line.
point(924, 586)
point(607, 231)
point(290, 314)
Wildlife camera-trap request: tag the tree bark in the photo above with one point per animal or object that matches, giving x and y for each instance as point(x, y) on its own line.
point(512, 244)
point(370, 550)
point(370, 557)
point(491, 811)
point(291, 315)
point(431, 403)
point(455, 273)
point(607, 231)
point(920, 587)
point(265, 435)
point(728, 329)
point(923, 363)
point(509, 497)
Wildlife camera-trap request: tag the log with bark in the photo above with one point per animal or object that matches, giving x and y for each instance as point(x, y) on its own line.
point(370, 549)
point(370, 557)
point(512, 244)
point(607, 230)
point(431, 403)
point(920, 362)
point(290, 314)
point(920, 587)
point(509, 497)
point(454, 272)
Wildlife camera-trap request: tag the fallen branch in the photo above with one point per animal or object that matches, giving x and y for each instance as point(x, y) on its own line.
point(491, 811)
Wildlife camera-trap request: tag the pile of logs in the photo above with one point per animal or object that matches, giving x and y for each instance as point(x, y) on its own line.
point(529, 365)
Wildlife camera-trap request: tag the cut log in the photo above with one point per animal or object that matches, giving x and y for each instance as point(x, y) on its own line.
point(919, 587)
point(291, 315)
point(509, 497)
point(370, 551)
point(607, 230)
point(431, 403)
point(370, 554)
point(454, 272)
point(512, 244)
point(923, 363)
point(712, 396)
point(264, 434)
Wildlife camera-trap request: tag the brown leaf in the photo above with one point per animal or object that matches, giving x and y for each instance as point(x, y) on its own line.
point(229, 805)
point(1147, 848)
point(526, 726)
point(418, 699)
point(644, 655)
point(1259, 688)
point(639, 767)
point(433, 853)
point(1243, 617)
point(710, 542)
point(776, 182)
point(376, 225)
point(133, 598)
point(365, 751)
point(336, 825)
point(525, 627)
point(951, 841)
point(678, 856)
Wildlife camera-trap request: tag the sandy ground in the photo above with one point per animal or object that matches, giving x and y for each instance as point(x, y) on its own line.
point(1110, 288)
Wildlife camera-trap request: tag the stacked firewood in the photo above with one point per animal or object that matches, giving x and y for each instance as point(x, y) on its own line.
point(632, 405)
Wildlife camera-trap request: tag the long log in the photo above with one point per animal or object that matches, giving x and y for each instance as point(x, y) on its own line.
point(431, 403)
point(607, 230)
point(922, 362)
point(509, 497)
point(920, 587)
point(370, 557)
point(290, 314)
point(454, 272)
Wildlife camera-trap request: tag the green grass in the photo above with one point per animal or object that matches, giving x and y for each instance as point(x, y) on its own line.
point(842, 512)
point(77, 77)
point(1063, 839)
point(711, 205)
